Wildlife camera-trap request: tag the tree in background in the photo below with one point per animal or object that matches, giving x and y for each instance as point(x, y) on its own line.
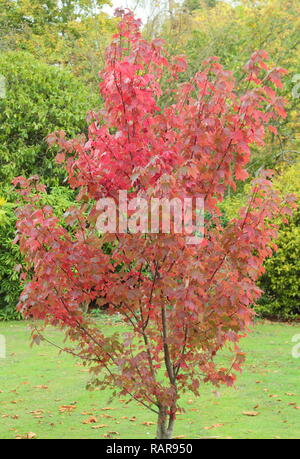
point(182, 302)
point(72, 33)
point(233, 32)
point(193, 5)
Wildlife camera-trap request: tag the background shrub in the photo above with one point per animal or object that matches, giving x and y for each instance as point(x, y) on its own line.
point(9, 258)
point(281, 281)
point(39, 99)
point(60, 199)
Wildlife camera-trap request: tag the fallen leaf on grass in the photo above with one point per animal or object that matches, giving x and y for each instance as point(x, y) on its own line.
point(41, 386)
point(99, 426)
point(148, 423)
point(29, 436)
point(250, 413)
point(90, 420)
point(107, 408)
point(213, 426)
point(133, 419)
point(290, 394)
point(67, 408)
point(179, 436)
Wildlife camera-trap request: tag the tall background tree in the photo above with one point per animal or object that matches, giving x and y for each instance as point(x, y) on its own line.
point(71, 33)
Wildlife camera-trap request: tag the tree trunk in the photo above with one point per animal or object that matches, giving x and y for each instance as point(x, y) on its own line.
point(165, 425)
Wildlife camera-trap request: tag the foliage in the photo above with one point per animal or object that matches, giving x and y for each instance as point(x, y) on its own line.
point(60, 199)
point(281, 280)
point(86, 54)
point(72, 33)
point(38, 97)
point(233, 31)
point(9, 257)
point(183, 302)
point(24, 17)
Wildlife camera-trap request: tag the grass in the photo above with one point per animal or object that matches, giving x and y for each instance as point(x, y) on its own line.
point(36, 382)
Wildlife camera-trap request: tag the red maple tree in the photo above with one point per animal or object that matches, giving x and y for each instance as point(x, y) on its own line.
point(181, 303)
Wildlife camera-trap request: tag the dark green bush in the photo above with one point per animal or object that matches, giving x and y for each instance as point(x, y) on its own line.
point(9, 258)
point(39, 99)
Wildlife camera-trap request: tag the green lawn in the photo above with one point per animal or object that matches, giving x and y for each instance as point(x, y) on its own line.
point(36, 382)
